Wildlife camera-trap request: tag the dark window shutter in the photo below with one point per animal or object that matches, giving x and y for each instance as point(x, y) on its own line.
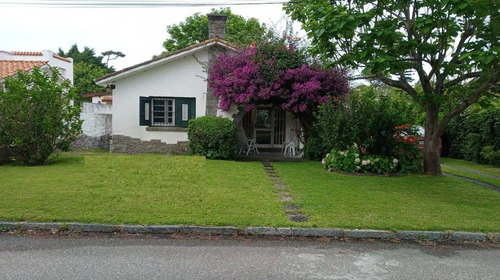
point(144, 111)
point(191, 105)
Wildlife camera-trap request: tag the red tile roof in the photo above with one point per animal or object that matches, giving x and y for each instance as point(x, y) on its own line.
point(61, 58)
point(9, 67)
point(92, 94)
point(201, 44)
point(107, 98)
point(27, 53)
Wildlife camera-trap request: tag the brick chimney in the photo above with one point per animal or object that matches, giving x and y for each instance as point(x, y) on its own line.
point(216, 26)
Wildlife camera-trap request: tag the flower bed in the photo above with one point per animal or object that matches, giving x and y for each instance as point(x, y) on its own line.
point(356, 160)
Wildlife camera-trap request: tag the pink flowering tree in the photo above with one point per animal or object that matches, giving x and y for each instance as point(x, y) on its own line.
point(272, 73)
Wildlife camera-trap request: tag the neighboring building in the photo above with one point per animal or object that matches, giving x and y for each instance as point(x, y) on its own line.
point(100, 97)
point(154, 100)
point(11, 62)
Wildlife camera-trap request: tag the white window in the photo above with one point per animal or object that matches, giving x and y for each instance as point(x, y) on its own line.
point(163, 113)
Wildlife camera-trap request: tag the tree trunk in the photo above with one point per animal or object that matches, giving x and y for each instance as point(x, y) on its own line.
point(432, 162)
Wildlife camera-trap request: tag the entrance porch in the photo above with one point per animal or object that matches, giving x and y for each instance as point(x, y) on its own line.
point(270, 129)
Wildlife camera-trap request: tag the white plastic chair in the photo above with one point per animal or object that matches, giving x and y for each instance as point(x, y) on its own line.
point(249, 146)
point(290, 148)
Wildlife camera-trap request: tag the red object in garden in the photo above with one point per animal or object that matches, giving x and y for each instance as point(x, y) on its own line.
point(419, 138)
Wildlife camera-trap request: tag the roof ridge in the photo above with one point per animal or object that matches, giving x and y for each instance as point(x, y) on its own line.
point(27, 53)
point(160, 57)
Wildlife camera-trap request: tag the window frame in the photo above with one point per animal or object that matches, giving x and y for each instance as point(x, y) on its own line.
point(166, 116)
point(178, 109)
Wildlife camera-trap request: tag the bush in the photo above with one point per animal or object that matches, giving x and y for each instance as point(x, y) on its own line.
point(213, 137)
point(376, 124)
point(356, 160)
point(37, 117)
point(475, 136)
point(366, 119)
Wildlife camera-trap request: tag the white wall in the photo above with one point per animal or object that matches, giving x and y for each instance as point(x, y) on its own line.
point(96, 119)
point(176, 78)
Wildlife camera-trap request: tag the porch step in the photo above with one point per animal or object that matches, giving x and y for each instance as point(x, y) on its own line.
point(270, 150)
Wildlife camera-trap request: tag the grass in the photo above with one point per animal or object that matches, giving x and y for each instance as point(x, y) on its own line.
point(488, 169)
point(481, 172)
point(413, 202)
point(155, 189)
point(140, 189)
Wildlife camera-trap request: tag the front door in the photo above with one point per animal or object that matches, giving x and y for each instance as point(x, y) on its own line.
point(266, 125)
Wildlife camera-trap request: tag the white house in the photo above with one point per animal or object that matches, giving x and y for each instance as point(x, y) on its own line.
point(11, 62)
point(154, 100)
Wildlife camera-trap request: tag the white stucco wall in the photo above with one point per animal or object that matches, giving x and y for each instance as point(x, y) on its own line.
point(96, 119)
point(182, 77)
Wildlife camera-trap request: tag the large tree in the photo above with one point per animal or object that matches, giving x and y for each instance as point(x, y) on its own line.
point(194, 29)
point(450, 46)
point(87, 66)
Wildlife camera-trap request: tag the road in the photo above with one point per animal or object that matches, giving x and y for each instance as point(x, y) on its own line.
point(105, 257)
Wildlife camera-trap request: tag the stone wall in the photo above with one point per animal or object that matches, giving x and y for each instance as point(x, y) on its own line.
point(96, 126)
point(129, 145)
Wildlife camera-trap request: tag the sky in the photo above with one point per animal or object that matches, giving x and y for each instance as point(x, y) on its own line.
point(136, 31)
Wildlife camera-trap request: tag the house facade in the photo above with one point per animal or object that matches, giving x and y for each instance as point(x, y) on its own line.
point(154, 100)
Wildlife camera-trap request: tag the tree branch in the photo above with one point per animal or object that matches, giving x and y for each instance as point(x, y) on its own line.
point(399, 84)
point(462, 78)
point(480, 91)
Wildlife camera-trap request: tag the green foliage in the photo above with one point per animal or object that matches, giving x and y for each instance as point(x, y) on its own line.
point(84, 74)
point(409, 109)
point(87, 55)
point(475, 136)
point(36, 116)
point(112, 55)
point(213, 137)
point(353, 160)
point(451, 46)
point(490, 155)
point(375, 123)
point(194, 29)
point(87, 66)
point(367, 119)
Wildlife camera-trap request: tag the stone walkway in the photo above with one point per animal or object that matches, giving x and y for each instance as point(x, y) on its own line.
point(292, 210)
point(477, 182)
point(471, 171)
point(474, 181)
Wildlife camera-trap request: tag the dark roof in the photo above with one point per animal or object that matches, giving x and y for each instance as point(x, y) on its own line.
point(201, 44)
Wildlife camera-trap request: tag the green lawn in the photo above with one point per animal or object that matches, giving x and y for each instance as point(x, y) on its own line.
point(413, 202)
point(486, 173)
point(489, 169)
point(140, 189)
point(155, 189)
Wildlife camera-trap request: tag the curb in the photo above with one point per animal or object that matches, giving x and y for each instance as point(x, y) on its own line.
point(459, 236)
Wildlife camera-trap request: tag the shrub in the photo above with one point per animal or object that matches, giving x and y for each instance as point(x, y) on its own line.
point(355, 160)
point(366, 119)
point(474, 135)
point(36, 116)
point(213, 137)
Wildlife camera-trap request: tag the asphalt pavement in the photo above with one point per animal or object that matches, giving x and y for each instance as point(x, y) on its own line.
point(143, 257)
